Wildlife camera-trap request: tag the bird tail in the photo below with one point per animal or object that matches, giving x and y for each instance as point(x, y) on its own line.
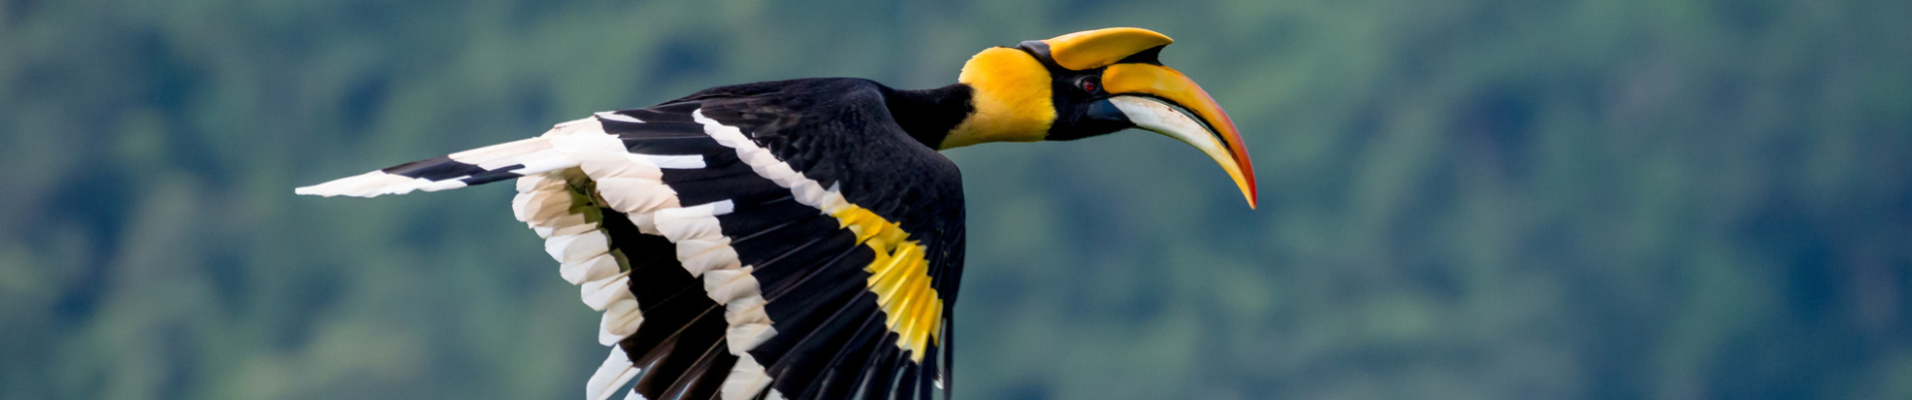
point(545, 153)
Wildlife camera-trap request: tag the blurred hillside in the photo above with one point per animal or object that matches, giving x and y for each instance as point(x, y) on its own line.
point(1461, 199)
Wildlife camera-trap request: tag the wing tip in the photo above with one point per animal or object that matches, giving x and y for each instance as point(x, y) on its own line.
point(370, 184)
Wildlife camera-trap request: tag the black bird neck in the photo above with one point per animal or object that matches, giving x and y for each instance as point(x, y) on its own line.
point(929, 114)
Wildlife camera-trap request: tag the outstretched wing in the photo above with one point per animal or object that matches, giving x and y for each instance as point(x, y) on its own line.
point(762, 243)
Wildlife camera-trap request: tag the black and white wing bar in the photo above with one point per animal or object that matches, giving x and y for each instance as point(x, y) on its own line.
point(573, 177)
point(616, 195)
point(488, 164)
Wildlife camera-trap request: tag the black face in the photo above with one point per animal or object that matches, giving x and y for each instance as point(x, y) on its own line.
point(1082, 106)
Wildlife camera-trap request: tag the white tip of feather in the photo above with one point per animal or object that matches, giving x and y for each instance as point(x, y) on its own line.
point(587, 142)
point(600, 164)
point(540, 207)
point(613, 116)
point(701, 244)
point(600, 267)
point(776, 171)
point(731, 138)
point(811, 194)
point(613, 374)
point(746, 379)
point(633, 395)
point(760, 159)
point(722, 207)
point(833, 201)
point(545, 162)
point(560, 221)
point(774, 395)
point(529, 183)
point(746, 310)
point(742, 338)
point(636, 195)
point(689, 223)
point(646, 223)
point(726, 285)
point(577, 248)
point(781, 174)
point(599, 294)
point(520, 204)
point(369, 184)
point(431, 186)
point(700, 256)
point(573, 224)
point(620, 319)
point(502, 151)
point(728, 136)
point(675, 162)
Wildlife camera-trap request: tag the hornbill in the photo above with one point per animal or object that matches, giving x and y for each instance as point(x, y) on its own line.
point(803, 238)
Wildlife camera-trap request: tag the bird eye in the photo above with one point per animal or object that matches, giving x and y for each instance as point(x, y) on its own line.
point(1089, 84)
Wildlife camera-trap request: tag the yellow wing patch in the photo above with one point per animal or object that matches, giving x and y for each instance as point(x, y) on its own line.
point(900, 278)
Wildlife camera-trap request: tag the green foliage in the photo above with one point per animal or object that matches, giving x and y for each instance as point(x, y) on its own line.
point(1462, 199)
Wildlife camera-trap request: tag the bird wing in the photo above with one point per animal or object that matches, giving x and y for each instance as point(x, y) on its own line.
point(786, 243)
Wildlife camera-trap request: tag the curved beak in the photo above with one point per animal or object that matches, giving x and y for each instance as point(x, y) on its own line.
point(1162, 100)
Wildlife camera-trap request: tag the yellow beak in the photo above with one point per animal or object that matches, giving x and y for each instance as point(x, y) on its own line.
point(1162, 100)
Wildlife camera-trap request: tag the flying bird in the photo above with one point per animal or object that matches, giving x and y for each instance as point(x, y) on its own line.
point(803, 239)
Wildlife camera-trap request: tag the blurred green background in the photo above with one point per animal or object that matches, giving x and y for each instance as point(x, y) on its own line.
point(1461, 199)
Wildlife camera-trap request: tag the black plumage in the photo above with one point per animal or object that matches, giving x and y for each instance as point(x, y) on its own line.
point(812, 270)
point(839, 132)
point(803, 238)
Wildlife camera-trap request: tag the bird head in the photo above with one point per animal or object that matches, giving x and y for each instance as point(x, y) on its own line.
point(1094, 83)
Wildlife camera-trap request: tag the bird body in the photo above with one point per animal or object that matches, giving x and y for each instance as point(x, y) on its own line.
point(802, 238)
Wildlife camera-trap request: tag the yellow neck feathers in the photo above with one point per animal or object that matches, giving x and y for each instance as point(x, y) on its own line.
point(1010, 93)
